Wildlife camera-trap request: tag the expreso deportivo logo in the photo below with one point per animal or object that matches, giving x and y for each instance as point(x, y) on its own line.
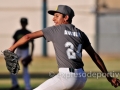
point(90, 74)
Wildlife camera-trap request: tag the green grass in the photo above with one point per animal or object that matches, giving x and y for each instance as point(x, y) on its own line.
point(6, 83)
point(41, 66)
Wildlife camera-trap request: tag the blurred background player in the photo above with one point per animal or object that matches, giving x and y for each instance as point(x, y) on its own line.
point(23, 52)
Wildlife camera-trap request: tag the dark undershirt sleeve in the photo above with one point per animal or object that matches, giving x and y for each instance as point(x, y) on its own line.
point(86, 41)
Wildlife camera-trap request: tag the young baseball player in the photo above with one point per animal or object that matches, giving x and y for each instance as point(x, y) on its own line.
point(23, 52)
point(68, 42)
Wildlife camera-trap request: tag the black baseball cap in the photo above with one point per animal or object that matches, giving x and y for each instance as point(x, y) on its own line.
point(63, 9)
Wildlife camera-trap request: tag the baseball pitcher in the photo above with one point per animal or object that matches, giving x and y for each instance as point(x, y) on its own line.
point(68, 41)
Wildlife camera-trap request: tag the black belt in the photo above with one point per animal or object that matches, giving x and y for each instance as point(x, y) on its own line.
point(73, 70)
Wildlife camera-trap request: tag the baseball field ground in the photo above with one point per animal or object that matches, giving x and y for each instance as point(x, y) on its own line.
point(42, 68)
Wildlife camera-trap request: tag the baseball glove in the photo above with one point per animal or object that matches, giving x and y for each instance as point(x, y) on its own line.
point(26, 61)
point(11, 61)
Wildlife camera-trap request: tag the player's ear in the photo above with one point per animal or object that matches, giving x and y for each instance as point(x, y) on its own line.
point(66, 17)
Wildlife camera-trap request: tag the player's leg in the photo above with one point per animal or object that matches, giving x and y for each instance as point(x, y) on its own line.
point(15, 85)
point(72, 79)
point(51, 84)
point(64, 80)
point(26, 75)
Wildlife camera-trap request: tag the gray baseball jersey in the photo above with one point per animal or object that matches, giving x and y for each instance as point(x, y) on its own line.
point(68, 43)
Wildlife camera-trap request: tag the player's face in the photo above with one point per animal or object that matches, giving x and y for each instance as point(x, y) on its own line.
point(59, 19)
